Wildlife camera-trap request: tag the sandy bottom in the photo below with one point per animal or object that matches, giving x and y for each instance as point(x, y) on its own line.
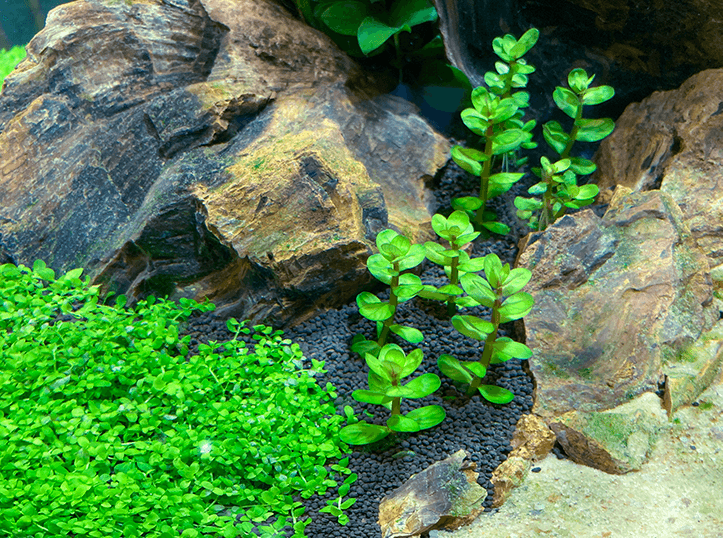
point(677, 493)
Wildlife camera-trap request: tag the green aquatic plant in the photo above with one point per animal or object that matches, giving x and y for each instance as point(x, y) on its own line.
point(499, 290)
point(385, 375)
point(558, 189)
point(396, 255)
point(496, 116)
point(109, 424)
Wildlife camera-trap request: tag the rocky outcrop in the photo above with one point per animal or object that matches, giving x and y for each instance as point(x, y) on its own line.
point(209, 148)
point(624, 307)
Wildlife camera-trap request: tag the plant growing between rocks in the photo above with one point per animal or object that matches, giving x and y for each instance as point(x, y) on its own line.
point(558, 188)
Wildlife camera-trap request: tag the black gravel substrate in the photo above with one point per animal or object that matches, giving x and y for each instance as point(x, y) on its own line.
point(482, 429)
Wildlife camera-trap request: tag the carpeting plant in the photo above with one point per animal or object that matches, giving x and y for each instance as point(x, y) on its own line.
point(109, 428)
point(496, 117)
point(385, 375)
point(559, 189)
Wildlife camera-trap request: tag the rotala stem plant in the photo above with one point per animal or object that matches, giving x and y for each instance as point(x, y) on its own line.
point(459, 232)
point(396, 254)
point(499, 291)
point(385, 374)
point(558, 187)
point(497, 118)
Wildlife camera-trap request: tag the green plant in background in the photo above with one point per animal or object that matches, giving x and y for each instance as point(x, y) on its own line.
point(385, 374)
point(107, 423)
point(500, 291)
point(9, 59)
point(496, 116)
point(459, 232)
point(558, 188)
point(396, 254)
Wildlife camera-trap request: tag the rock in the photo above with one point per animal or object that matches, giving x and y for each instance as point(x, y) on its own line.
point(616, 441)
point(617, 298)
point(635, 47)
point(671, 141)
point(532, 441)
point(217, 149)
point(443, 496)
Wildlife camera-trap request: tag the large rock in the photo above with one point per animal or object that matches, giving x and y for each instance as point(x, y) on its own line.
point(617, 299)
point(672, 141)
point(209, 148)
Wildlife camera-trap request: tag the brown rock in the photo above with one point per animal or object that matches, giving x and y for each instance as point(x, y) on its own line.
point(532, 441)
point(616, 299)
point(615, 441)
point(671, 140)
point(216, 149)
point(443, 496)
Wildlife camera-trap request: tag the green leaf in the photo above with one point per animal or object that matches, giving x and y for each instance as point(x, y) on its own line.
point(578, 80)
point(496, 395)
point(373, 33)
point(493, 270)
point(582, 166)
point(472, 326)
point(381, 268)
point(345, 16)
point(478, 288)
point(428, 416)
point(512, 348)
point(377, 311)
point(555, 136)
point(507, 141)
point(525, 43)
point(410, 334)
point(363, 433)
point(368, 396)
point(412, 12)
point(587, 192)
point(475, 122)
point(595, 96)
point(409, 285)
point(497, 227)
point(414, 256)
point(400, 423)
point(467, 203)
point(594, 130)
point(516, 280)
point(452, 368)
point(566, 101)
point(516, 306)
point(424, 385)
point(477, 368)
point(410, 362)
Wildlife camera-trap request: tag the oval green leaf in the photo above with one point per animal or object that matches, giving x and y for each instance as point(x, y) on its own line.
point(428, 416)
point(363, 433)
point(495, 394)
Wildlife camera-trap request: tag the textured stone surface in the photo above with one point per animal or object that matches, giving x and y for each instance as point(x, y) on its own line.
point(616, 441)
point(672, 141)
point(210, 148)
point(616, 299)
point(445, 495)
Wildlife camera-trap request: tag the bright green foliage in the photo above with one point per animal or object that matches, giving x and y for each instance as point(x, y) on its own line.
point(396, 254)
point(559, 189)
point(109, 428)
point(459, 232)
point(9, 59)
point(496, 116)
point(385, 374)
point(499, 291)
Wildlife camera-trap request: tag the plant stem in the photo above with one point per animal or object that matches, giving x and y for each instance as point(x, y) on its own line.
point(485, 176)
point(393, 301)
point(397, 406)
point(486, 357)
